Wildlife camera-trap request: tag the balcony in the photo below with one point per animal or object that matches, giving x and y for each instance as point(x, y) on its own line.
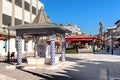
point(115, 35)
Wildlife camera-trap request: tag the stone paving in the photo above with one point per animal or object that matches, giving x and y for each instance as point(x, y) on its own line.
point(77, 67)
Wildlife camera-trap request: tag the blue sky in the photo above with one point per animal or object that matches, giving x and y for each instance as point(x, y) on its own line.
point(86, 14)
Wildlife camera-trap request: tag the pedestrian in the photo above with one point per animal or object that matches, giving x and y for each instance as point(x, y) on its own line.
point(108, 48)
point(114, 46)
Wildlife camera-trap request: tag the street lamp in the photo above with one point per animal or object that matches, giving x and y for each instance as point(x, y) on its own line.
point(8, 58)
point(8, 55)
point(4, 29)
point(112, 42)
point(93, 42)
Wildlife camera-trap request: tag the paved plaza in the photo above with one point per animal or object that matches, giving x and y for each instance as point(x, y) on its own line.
point(76, 67)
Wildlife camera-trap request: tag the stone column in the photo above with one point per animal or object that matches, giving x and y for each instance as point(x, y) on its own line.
point(52, 50)
point(19, 49)
point(1, 13)
point(23, 11)
point(63, 48)
point(30, 11)
point(13, 13)
point(36, 7)
point(52, 47)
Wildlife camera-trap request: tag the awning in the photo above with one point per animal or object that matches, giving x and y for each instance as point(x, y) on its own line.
point(2, 38)
point(78, 39)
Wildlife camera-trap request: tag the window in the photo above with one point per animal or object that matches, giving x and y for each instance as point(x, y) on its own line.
point(26, 46)
point(18, 3)
point(26, 22)
point(9, 0)
point(5, 45)
point(27, 6)
point(17, 21)
point(6, 19)
point(33, 10)
point(16, 45)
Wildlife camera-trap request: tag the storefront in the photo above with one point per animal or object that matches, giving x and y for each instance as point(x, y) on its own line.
point(78, 41)
point(3, 45)
point(82, 43)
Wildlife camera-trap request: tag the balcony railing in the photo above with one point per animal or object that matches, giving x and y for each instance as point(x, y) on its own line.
point(115, 35)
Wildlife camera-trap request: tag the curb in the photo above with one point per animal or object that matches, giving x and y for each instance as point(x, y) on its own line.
point(11, 67)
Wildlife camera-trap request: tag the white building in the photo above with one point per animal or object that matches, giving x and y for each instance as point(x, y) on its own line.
point(16, 12)
point(110, 36)
point(73, 28)
point(118, 30)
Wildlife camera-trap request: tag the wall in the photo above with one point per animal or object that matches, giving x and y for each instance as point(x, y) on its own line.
point(6, 8)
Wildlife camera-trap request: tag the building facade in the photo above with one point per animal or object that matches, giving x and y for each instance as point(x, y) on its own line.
point(16, 12)
point(73, 28)
point(118, 31)
point(110, 37)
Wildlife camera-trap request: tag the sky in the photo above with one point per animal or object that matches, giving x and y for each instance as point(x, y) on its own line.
point(86, 14)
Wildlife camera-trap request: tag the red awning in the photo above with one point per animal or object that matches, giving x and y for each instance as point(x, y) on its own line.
point(78, 39)
point(2, 38)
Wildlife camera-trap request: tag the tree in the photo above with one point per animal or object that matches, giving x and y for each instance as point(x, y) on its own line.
point(61, 24)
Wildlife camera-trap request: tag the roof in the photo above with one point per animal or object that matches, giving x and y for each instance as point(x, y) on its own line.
point(111, 28)
point(117, 22)
point(41, 18)
point(80, 36)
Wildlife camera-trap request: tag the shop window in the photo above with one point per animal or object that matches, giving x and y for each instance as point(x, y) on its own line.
point(16, 45)
point(5, 45)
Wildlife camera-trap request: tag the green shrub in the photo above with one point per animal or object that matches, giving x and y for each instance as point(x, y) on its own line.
point(71, 51)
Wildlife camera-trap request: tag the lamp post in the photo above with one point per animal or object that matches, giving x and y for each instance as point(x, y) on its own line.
point(112, 42)
point(8, 57)
point(93, 44)
point(8, 35)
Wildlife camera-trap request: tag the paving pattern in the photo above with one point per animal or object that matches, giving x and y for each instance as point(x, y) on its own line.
point(77, 67)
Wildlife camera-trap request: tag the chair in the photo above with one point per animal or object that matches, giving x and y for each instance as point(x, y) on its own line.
point(12, 56)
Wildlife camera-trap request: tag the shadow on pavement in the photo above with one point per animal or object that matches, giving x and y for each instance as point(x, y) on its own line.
point(47, 76)
point(80, 69)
